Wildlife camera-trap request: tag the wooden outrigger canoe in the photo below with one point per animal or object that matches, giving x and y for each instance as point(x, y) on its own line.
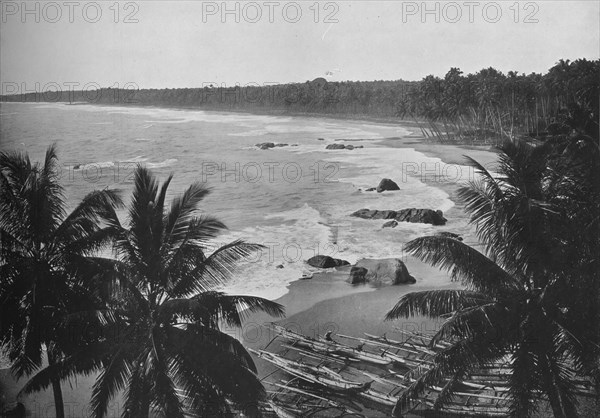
point(366, 356)
point(317, 375)
point(390, 344)
point(379, 397)
point(470, 410)
point(410, 346)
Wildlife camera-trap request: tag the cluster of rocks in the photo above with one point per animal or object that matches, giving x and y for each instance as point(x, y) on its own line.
point(387, 271)
point(342, 146)
point(426, 216)
point(267, 145)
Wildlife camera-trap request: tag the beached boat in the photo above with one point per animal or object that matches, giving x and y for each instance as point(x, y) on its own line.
point(360, 354)
point(412, 346)
point(483, 392)
point(469, 410)
point(379, 397)
point(407, 357)
point(317, 375)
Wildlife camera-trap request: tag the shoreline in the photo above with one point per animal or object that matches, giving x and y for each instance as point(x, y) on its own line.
point(326, 301)
point(353, 310)
point(413, 124)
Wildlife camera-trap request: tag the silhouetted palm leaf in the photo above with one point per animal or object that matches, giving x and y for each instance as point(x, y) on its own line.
point(172, 357)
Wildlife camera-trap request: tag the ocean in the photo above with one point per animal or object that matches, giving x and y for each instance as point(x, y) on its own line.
point(295, 199)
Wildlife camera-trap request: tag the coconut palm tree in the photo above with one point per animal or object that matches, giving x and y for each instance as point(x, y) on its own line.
point(164, 349)
point(529, 299)
point(42, 253)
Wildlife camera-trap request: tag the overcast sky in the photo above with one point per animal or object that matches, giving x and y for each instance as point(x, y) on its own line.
point(187, 44)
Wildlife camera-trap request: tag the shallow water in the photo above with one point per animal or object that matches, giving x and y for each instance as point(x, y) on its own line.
point(295, 200)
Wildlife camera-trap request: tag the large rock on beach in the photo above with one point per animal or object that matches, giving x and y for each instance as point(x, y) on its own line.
point(387, 184)
point(386, 271)
point(390, 224)
point(427, 216)
point(325, 262)
point(358, 275)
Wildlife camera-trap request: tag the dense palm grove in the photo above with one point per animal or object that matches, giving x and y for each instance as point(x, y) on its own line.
point(532, 297)
point(486, 105)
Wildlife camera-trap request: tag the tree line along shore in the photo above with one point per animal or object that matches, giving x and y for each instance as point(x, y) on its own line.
point(486, 106)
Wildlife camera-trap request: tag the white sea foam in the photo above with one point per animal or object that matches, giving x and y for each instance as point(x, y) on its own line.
point(166, 163)
point(290, 238)
point(135, 160)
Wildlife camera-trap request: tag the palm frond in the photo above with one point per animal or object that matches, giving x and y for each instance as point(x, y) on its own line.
point(183, 207)
point(232, 376)
point(434, 303)
point(215, 270)
point(110, 381)
point(84, 219)
point(468, 265)
point(214, 306)
point(455, 361)
point(85, 362)
point(162, 379)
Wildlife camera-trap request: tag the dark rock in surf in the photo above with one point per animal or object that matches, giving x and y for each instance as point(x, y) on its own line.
point(427, 216)
point(387, 184)
point(424, 216)
point(374, 214)
point(325, 262)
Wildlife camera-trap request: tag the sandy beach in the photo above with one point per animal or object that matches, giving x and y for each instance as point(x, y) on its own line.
point(327, 302)
point(314, 306)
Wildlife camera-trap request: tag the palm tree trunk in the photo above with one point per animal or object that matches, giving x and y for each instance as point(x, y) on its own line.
point(56, 389)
